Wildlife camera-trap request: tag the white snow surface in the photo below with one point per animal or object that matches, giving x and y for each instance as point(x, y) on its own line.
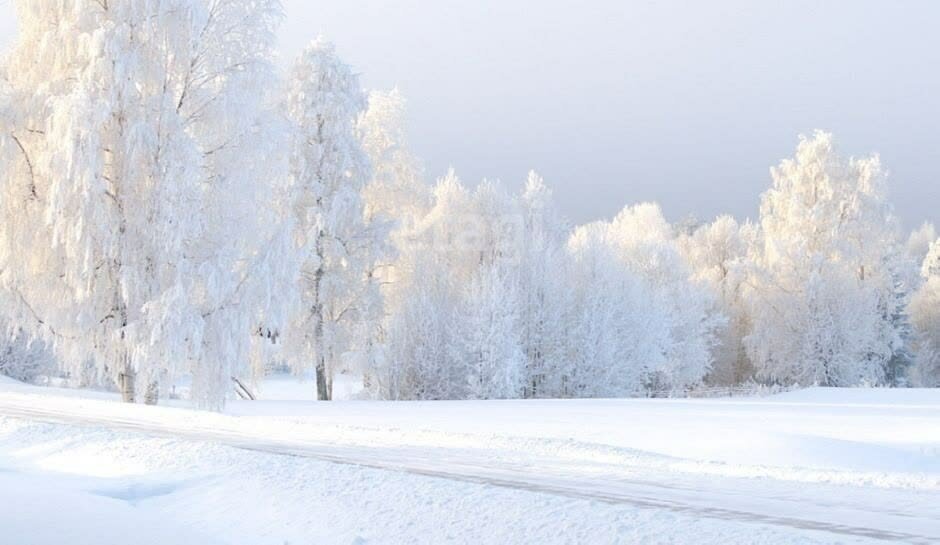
point(812, 466)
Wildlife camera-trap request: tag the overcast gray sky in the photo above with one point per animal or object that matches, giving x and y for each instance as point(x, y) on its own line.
point(614, 102)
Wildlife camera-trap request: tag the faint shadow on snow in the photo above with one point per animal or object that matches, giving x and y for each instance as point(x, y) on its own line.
point(136, 492)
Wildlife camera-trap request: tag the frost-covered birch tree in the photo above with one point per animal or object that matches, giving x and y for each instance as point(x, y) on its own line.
point(454, 324)
point(925, 316)
point(337, 246)
point(486, 350)
point(618, 330)
point(719, 254)
point(397, 191)
point(647, 244)
point(394, 201)
point(824, 295)
point(919, 243)
point(422, 299)
point(133, 127)
point(486, 334)
point(544, 293)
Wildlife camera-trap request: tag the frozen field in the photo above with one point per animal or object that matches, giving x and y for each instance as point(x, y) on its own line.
point(813, 466)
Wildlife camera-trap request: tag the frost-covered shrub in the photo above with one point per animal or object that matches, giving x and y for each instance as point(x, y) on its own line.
point(23, 359)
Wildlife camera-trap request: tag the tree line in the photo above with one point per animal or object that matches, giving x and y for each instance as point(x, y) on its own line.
point(173, 205)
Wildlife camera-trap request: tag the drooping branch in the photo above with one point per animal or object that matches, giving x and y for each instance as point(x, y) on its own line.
point(36, 317)
point(29, 165)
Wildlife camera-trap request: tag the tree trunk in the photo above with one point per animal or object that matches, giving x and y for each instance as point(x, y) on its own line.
point(126, 383)
point(323, 389)
point(323, 386)
point(128, 378)
point(329, 387)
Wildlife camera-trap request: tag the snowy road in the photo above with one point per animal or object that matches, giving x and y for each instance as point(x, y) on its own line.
point(909, 513)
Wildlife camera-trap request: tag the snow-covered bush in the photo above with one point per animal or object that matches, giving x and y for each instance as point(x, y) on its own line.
point(22, 358)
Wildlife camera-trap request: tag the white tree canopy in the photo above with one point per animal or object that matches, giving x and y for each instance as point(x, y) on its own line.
point(925, 316)
point(135, 177)
point(335, 244)
point(824, 292)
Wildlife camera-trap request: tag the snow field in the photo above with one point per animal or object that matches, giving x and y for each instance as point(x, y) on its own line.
point(817, 466)
point(162, 491)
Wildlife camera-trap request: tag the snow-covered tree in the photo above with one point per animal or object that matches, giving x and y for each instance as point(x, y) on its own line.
point(229, 97)
point(135, 125)
point(397, 191)
point(719, 256)
point(610, 312)
point(394, 200)
point(544, 292)
point(486, 337)
point(638, 321)
point(824, 295)
point(454, 323)
point(618, 330)
point(337, 246)
point(924, 310)
point(931, 265)
point(907, 282)
point(485, 348)
point(647, 244)
point(918, 243)
point(418, 335)
point(430, 267)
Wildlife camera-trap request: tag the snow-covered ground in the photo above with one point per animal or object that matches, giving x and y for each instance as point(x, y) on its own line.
point(813, 466)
